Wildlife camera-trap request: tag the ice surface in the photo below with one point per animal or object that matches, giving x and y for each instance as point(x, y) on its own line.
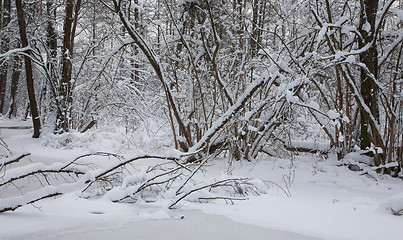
point(183, 225)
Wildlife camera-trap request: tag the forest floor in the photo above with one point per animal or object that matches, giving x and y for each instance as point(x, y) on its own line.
point(327, 201)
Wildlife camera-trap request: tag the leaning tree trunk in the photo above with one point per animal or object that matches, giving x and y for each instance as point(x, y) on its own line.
point(28, 70)
point(154, 61)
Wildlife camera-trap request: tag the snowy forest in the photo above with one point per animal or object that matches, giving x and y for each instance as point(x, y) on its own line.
point(235, 80)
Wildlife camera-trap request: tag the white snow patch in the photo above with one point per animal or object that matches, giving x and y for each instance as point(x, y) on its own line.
point(393, 204)
point(333, 114)
point(366, 27)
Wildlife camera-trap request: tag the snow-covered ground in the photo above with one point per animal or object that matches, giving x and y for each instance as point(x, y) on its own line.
point(327, 201)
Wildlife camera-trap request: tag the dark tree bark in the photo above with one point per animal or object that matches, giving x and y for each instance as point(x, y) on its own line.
point(369, 58)
point(1, 15)
point(4, 41)
point(77, 8)
point(255, 31)
point(28, 70)
point(15, 76)
point(51, 38)
point(51, 64)
point(70, 25)
point(369, 89)
point(65, 86)
point(136, 77)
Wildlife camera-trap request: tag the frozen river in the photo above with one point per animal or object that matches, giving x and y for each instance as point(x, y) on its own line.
point(195, 225)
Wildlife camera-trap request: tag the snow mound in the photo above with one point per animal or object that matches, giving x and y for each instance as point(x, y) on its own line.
point(173, 153)
point(94, 141)
point(393, 205)
point(112, 140)
point(359, 157)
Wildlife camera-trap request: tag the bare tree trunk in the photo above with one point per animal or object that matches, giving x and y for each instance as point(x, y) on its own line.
point(51, 64)
point(137, 26)
point(3, 79)
point(28, 70)
point(369, 58)
point(51, 38)
point(1, 15)
point(65, 85)
point(77, 7)
point(255, 16)
point(15, 77)
point(4, 41)
point(134, 75)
